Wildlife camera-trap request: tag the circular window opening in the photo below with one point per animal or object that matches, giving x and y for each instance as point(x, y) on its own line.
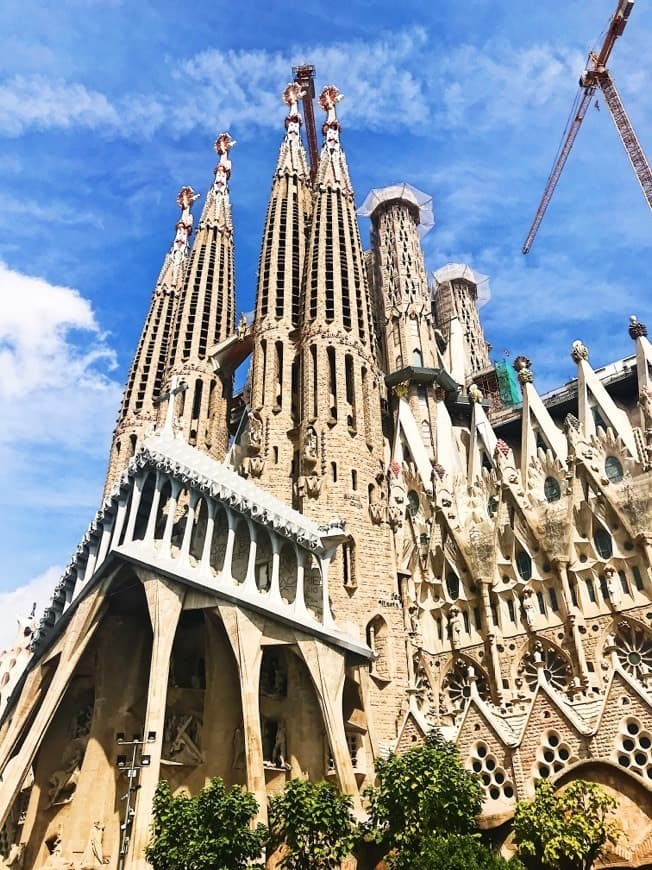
point(613, 469)
point(551, 489)
point(634, 658)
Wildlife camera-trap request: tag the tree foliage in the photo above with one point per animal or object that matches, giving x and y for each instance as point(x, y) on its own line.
point(565, 831)
point(210, 830)
point(424, 792)
point(315, 823)
point(453, 852)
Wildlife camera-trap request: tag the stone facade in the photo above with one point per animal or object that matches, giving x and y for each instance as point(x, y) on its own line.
point(360, 548)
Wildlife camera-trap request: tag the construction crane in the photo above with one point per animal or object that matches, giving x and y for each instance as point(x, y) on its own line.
point(304, 75)
point(597, 76)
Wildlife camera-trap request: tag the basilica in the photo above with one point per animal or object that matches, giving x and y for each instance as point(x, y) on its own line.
point(385, 532)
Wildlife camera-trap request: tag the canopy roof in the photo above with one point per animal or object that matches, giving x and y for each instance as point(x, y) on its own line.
point(422, 201)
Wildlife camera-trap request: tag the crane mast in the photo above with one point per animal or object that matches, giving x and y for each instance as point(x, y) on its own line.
point(304, 75)
point(597, 76)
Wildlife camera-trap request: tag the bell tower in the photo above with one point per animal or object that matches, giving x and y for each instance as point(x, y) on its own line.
point(275, 374)
point(205, 316)
point(342, 459)
point(139, 410)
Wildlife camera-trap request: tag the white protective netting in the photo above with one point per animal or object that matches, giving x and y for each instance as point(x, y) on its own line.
point(423, 202)
point(462, 272)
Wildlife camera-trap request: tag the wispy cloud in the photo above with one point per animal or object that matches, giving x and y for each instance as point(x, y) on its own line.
point(34, 102)
point(19, 603)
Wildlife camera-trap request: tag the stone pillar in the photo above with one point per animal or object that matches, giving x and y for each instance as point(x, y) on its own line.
point(327, 670)
point(245, 637)
point(164, 602)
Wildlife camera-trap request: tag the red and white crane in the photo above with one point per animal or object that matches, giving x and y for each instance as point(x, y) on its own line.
point(596, 76)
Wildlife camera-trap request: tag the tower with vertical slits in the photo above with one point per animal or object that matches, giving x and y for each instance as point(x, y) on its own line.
point(341, 458)
point(205, 316)
point(274, 383)
point(139, 410)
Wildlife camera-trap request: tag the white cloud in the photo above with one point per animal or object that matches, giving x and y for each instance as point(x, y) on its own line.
point(36, 102)
point(54, 364)
point(19, 603)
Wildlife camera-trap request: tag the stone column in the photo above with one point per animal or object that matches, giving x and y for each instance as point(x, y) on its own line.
point(327, 670)
point(571, 618)
point(245, 637)
point(164, 602)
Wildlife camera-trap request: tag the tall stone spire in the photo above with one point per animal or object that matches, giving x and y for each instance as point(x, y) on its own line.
point(275, 386)
point(205, 316)
point(139, 410)
point(400, 217)
point(342, 451)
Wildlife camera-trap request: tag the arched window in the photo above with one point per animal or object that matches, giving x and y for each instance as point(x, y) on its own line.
point(378, 641)
point(551, 489)
point(413, 502)
point(453, 585)
point(603, 543)
point(613, 469)
point(524, 565)
point(417, 358)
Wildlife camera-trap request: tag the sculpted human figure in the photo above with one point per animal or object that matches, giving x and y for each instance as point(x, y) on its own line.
point(63, 783)
point(15, 857)
point(614, 589)
point(529, 608)
point(93, 856)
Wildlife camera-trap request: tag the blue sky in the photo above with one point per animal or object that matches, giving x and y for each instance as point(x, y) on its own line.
point(107, 108)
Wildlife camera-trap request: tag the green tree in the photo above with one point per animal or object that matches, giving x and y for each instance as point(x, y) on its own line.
point(565, 831)
point(423, 792)
point(315, 823)
point(210, 830)
point(454, 852)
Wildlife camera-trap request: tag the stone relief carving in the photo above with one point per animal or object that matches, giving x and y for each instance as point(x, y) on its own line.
point(63, 782)
point(310, 445)
point(255, 432)
point(15, 857)
point(93, 856)
point(56, 860)
point(238, 749)
point(182, 739)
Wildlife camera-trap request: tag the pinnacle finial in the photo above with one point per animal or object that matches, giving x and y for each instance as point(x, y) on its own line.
point(223, 144)
point(183, 227)
point(291, 95)
point(579, 352)
point(636, 328)
point(522, 367)
point(328, 99)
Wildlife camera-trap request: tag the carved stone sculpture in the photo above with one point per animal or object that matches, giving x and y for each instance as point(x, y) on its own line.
point(529, 608)
point(238, 749)
point(63, 782)
point(182, 739)
point(614, 589)
point(93, 856)
point(56, 860)
point(15, 857)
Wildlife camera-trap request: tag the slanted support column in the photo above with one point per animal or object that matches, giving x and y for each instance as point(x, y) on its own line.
point(274, 589)
point(105, 540)
point(120, 518)
point(190, 523)
point(230, 542)
point(299, 599)
point(139, 485)
point(249, 584)
point(327, 670)
point(80, 631)
point(324, 564)
point(169, 523)
point(91, 561)
point(164, 602)
point(153, 511)
point(208, 540)
point(245, 637)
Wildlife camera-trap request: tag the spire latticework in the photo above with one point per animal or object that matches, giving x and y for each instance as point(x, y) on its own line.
point(139, 409)
point(205, 317)
point(275, 388)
